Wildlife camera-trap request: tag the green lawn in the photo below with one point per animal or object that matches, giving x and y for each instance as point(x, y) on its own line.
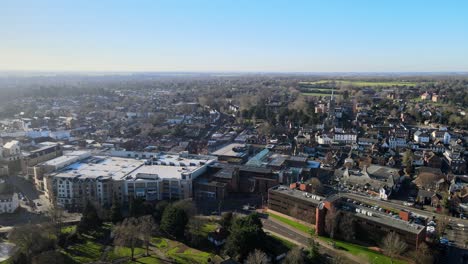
point(372, 256)
point(159, 243)
point(85, 252)
point(188, 255)
point(68, 229)
point(181, 253)
point(126, 252)
point(148, 260)
point(292, 223)
point(318, 94)
point(364, 83)
point(209, 227)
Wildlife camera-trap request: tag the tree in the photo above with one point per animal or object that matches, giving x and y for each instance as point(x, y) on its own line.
point(226, 220)
point(246, 234)
point(442, 224)
point(331, 221)
point(127, 234)
point(337, 259)
point(49, 257)
point(174, 221)
point(159, 210)
point(55, 213)
point(136, 207)
point(115, 211)
point(147, 227)
point(294, 256)
point(187, 206)
point(90, 219)
point(317, 186)
point(423, 255)
point(31, 240)
point(408, 158)
point(393, 246)
point(257, 257)
point(194, 232)
point(313, 254)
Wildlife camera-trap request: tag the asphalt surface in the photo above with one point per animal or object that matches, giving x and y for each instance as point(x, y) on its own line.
point(33, 210)
point(402, 207)
point(286, 232)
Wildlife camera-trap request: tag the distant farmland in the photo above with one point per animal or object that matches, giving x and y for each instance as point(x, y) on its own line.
point(320, 94)
point(361, 83)
point(310, 89)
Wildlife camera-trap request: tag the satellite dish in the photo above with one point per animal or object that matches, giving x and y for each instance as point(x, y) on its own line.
point(321, 205)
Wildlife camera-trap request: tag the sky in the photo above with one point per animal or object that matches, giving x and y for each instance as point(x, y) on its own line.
point(234, 36)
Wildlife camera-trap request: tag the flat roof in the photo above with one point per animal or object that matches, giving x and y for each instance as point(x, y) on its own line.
point(162, 171)
point(100, 166)
point(185, 160)
point(298, 194)
point(166, 166)
point(228, 150)
point(69, 156)
point(385, 219)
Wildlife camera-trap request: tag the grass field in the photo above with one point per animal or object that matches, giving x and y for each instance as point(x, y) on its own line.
point(181, 253)
point(90, 249)
point(209, 227)
point(364, 83)
point(370, 255)
point(317, 94)
point(292, 223)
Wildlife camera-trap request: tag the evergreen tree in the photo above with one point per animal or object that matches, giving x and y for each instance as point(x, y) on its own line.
point(174, 221)
point(90, 219)
point(115, 211)
point(246, 234)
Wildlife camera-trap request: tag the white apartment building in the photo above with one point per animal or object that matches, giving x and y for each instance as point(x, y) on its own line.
point(347, 138)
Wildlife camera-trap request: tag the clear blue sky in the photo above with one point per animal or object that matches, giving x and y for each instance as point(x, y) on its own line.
point(237, 35)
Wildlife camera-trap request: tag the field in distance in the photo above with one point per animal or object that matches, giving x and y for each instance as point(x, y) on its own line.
point(362, 83)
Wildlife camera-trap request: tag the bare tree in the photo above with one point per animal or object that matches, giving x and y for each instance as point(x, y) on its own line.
point(393, 246)
point(317, 186)
point(331, 221)
point(423, 255)
point(338, 260)
point(442, 224)
point(49, 257)
point(31, 240)
point(300, 104)
point(56, 215)
point(147, 227)
point(127, 234)
point(257, 257)
point(294, 256)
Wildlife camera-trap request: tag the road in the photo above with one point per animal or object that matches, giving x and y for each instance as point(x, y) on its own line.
point(33, 210)
point(301, 239)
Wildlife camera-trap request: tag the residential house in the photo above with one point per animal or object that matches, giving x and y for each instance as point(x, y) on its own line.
point(441, 135)
point(421, 137)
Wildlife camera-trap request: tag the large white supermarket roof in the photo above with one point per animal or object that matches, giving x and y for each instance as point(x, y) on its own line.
point(118, 168)
point(162, 172)
point(98, 166)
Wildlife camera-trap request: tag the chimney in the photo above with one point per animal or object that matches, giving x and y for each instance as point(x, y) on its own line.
point(404, 215)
